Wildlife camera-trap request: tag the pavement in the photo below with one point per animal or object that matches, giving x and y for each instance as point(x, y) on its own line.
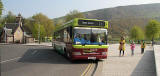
point(127, 65)
point(42, 44)
point(157, 58)
point(24, 60)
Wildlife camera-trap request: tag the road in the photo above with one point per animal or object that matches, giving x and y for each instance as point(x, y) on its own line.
point(22, 60)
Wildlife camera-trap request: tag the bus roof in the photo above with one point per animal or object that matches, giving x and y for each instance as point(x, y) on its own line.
point(75, 23)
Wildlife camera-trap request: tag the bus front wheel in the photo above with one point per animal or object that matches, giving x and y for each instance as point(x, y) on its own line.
point(68, 55)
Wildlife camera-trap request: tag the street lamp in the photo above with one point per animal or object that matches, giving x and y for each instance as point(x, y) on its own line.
point(39, 32)
point(5, 35)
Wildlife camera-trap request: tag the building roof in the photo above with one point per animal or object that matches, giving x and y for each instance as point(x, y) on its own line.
point(12, 26)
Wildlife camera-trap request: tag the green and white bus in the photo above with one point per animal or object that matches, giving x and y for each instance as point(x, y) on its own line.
point(82, 39)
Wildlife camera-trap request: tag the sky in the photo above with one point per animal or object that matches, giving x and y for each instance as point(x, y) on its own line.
point(58, 8)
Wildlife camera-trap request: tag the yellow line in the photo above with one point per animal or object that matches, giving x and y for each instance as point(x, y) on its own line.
point(87, 70)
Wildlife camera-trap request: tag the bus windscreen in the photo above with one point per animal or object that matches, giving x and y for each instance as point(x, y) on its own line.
point(90, 36)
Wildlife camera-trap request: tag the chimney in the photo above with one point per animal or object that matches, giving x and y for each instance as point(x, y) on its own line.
point(19, 19)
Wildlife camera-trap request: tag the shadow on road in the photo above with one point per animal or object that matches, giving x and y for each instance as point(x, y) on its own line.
point(146, 66)
point(47, 56)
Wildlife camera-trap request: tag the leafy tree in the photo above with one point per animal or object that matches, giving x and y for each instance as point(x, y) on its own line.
point(136, 33)
point(74, 14)
point(10, 18)
point(28, 24)
point(45, 22)
point(35, 30)
point(152, 30)
point(33, 23)
point(58, 23)
point(1, 8)
point(1, 23)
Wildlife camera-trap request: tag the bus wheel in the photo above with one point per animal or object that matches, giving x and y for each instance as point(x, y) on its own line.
point(54, 47)
point(70, 58)
point(68, 55)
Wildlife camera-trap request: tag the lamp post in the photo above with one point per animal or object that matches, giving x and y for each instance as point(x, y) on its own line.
point(5, 35)
point(5, 38)
point(38, 32)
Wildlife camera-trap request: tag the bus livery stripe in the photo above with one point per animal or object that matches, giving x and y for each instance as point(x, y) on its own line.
point(90, 46)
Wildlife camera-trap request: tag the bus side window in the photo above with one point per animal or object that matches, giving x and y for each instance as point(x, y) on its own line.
point(106, 38)
point(58, 36)
point(69, 30)
point(65, 36)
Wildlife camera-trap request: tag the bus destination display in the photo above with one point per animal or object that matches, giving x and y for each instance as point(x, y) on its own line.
point(91, 23)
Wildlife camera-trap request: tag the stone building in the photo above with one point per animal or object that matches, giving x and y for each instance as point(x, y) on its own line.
point(13, 32)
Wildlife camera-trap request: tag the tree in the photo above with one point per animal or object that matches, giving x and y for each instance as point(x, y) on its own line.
point(136, 33)
point(10, 18)
point(45, 22)
point(58, 23)
point(33, 23)
point(74, 14)
point(1, 8)
point(35, 30)
point(28, 24)
point(1, 22)
point(152, 30)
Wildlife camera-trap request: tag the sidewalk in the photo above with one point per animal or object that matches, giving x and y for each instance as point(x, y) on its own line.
point(157, 58)
point(41, 44)
point(129, 65)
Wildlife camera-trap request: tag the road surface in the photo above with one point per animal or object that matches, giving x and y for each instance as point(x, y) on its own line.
point(22, 60)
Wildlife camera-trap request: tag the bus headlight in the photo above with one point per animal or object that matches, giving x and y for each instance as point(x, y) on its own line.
point(78, 42)
point(104, 53)
point(76, 53)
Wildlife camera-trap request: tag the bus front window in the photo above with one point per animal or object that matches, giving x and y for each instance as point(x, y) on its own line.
point(89, 36)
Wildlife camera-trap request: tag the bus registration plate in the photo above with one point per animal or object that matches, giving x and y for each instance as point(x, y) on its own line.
point(91, 57)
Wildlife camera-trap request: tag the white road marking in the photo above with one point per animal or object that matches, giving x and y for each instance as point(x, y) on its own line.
point(10, 60)
point(34, 52)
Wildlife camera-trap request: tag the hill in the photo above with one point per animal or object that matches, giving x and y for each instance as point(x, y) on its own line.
point(132, 11)
point(122, 18)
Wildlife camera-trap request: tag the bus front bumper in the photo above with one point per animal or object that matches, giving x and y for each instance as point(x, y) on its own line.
point(86, 57)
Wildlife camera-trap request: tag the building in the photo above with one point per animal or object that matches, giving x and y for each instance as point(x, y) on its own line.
point(28, 38)
point(14, 32)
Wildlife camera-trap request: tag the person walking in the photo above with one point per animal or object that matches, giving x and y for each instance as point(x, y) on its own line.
point(132, 48)
point(143, 45)
point(121, 46)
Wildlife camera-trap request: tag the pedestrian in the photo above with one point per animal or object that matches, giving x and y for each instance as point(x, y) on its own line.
point(132, 48)
point(143, 45)
point(121, 46)
point(129, 41)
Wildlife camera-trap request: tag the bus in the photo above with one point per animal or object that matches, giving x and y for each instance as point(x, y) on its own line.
point(82, 39)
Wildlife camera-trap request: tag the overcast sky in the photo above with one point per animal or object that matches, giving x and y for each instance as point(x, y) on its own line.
point(57, 8)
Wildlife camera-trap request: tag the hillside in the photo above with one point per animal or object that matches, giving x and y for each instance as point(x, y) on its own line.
point(122, 18)
point(132, 11)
